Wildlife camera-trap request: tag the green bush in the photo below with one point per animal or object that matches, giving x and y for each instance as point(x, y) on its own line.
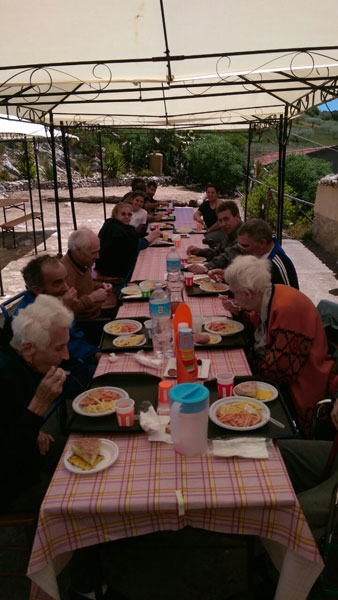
point(48, 172)
point(5, 176)
point(21, 163)
point(302, 174)
point(84, 169)
point(263, 205)
point(212, 159)
point(114, 162)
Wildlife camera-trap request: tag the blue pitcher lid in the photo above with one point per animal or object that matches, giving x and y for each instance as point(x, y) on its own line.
point(192, 396)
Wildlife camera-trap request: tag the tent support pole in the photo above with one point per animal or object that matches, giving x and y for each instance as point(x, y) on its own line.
point(102, 177)
point(56, 193)
point(69, 173)
point(25, 145)
point(39, 191)
point(247, 182)
point(283, 123)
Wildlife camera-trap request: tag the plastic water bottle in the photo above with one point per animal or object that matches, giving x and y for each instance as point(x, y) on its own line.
point(173, 261)
point(175, 290)
point(161, 329)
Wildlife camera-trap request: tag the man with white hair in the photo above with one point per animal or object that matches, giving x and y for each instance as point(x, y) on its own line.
point(83, 250)
point(30, 380)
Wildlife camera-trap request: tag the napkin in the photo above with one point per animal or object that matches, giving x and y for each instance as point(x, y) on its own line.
point(154, 424)
point(152, 363)
point(242, 446)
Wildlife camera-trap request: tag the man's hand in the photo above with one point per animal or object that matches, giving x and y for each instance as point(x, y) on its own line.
point(44, 440)
point(69, 298)
point(230, 305)
point(157, 218)
point(195, 268)
point(334, 414)
point(153, 235)
point(216, 275)
point(194, 250)
point(50, 387)
point(107, 287)
point(99, 295)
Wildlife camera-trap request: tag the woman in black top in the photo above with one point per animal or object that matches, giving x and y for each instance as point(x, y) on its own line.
point(120, 243)
point(206, 214)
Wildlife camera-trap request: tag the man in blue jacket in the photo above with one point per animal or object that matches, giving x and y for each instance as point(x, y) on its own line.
point(47, 275)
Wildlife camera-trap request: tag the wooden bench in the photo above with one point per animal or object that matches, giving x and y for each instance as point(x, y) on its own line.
point(10, 225)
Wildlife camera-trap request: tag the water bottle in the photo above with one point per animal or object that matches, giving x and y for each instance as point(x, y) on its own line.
point(175, 290)
point(173, 261)
point(161, 329)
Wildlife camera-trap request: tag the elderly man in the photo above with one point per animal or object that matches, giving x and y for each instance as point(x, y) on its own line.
point(83, 250)
point(230, 222)
point(47, 275)
point(30, 380)
point(255, 238)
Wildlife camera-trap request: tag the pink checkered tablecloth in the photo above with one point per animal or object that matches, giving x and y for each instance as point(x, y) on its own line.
point(138, 494)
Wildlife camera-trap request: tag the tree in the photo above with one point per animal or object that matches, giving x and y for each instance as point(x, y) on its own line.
point(262, 203)
point(302, 174)
point(212, 159)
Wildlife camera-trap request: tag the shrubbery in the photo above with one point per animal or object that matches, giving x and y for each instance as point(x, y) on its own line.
point(302, 174)
point(114, 162)
point(262, 204)
point(213, 159)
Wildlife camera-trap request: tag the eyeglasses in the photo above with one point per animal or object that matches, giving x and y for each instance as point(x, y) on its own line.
point(126, 214)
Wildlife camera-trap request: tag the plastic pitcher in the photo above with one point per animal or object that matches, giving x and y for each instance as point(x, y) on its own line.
point(189, 407)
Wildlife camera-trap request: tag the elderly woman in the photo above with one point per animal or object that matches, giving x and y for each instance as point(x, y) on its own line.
point(290, 343)
point(120, 243)
point(30, 381)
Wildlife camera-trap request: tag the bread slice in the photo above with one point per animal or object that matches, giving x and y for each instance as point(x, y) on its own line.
point(81, 464)
point(87, 449)
point(247, 388)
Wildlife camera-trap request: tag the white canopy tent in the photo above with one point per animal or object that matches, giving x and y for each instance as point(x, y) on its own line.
point(167, 63)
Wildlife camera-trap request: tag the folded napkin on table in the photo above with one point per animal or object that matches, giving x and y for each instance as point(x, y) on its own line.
point(246, 447)
point(154, 424)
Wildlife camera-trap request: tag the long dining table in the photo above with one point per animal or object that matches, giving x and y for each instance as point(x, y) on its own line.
point(152, 488)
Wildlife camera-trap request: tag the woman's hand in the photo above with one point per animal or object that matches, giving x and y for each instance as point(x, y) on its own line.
point(216, 275)
point(49, 388)
point(44, 440)
point(153, 235)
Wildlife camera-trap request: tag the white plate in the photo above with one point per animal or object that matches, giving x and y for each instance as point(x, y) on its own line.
point(215, 335)
point(263, 386)
point(239, 325)
point(223, 288)
point(126, 321)
point(125, 337)
point(153, 282)
point(196, 259)
point(159, 242)
point(131, 287)
point(110, 453)
point(78, 409)
point(203, 369)
point(265, 413)
point(198, 279)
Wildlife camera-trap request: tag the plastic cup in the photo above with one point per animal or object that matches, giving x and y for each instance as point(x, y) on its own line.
point(145, 290)
point(148, 325)
point(165, 237)
point(189, 279)
point(184, 260)
point(225, 384)
point(177, 240)
point(156, 225)
point(125, 409)
point(199, 226)
point(163, 402)
point(197, 323)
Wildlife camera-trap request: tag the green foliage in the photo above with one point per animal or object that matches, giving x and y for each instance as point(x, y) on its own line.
point(213, 159)
point(302, 174)
point(87, 144)
point(262, 204)
point(5, 176)
point(21, 163)
point(302, 230)
point(145, 173)
point(114, 162)
point(48, 172)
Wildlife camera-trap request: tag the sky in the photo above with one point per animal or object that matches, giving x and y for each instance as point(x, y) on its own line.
point(333, 105)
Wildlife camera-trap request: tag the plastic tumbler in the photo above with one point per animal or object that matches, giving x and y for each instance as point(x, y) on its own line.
point(225, 384)
point(177, 240)
point(148, 325)
point(189, 279)
point(199, 226)
point(163, 403)
point(125, 409)
point(165, 237)
point(145, 290)
point(197, 323)
point(184, 260)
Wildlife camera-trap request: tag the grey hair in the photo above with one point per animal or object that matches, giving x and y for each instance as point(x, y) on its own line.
point(81, 238)
point(256, 229)
point(33, 323)
point(248, 273)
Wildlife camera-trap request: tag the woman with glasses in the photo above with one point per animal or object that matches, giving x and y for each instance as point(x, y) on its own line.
point(120, 243)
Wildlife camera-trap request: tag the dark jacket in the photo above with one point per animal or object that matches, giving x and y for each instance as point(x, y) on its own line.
point(120, 245)
point(225, 252)
point(283, 270)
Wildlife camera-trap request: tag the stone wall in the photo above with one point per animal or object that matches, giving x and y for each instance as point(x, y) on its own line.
point(325, 227)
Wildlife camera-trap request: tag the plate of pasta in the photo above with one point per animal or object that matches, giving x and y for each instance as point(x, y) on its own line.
point(122, 326)
point(239, 413)
point(223, 326)
point(98, 402)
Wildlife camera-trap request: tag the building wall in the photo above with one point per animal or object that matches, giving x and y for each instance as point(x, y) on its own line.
point(325, 228)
